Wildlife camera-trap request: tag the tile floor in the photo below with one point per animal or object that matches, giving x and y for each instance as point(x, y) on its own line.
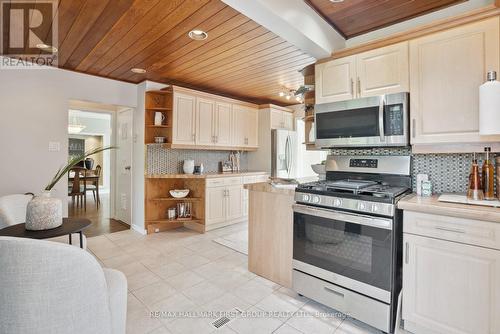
point(183, 271)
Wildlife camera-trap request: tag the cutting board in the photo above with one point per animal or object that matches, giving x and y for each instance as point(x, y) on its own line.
point(462, 199)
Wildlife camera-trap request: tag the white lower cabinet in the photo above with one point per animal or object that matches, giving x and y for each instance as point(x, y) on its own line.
point(224, 202)
point(449, 287)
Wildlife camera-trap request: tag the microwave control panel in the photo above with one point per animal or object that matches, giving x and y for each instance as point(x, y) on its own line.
point(394, 122)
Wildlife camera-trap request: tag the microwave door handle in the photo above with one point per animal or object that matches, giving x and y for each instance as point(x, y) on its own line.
point(381, 118)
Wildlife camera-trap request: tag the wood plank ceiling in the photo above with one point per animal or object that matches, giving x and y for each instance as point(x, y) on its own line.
point(355, 17)
point(239, 59)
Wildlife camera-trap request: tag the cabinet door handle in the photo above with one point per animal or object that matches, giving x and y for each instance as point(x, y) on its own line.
point(413, 127)
point(359, 87)
point(407, 252)
point(194, 137)
point(448, 229)
point(340, 294)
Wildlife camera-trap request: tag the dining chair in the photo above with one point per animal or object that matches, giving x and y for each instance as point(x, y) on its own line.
point(94, 185)
point(78, 189)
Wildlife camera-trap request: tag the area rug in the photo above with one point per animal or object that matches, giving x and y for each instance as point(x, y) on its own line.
point(236, 241)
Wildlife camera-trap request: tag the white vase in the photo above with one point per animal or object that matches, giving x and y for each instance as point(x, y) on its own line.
point(188, 167)
point(44, 212)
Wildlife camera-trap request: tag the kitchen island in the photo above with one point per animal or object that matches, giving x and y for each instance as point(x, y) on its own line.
point(270, 232)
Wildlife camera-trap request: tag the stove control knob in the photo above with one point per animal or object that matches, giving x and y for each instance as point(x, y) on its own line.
point(305, 198)
point(337, 202)
point(316, 199)
point(361, 206)
point(375, 208)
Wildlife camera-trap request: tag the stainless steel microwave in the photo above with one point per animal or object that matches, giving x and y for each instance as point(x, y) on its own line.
point(376, 121)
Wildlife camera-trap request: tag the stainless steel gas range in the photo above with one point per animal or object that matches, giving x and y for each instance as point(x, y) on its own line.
point(347, 246)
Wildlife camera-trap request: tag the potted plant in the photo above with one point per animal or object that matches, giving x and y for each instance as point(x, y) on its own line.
point(45, 212)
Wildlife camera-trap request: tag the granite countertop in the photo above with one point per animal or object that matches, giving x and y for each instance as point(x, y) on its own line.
point(267, 187)
point(207, 175)
point(431, 205)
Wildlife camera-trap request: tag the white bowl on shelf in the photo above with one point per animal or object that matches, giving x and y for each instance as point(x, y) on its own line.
point(179, 193)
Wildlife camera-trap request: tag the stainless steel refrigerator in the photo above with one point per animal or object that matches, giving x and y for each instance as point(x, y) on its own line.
point(284, 154)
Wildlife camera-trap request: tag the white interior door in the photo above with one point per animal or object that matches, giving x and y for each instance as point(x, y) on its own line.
point(123, 193)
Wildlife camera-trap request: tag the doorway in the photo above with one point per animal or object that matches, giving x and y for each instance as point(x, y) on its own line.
point(104, 184)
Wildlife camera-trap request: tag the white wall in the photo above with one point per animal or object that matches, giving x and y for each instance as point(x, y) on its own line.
point(34, 111)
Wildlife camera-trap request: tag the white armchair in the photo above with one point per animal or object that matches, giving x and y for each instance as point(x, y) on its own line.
point(49, 287)
point(13, 211)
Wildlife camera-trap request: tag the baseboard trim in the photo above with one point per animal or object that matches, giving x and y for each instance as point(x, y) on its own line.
point(138, 229)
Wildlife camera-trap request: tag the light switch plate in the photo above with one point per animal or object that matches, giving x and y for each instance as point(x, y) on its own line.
point(54, 146)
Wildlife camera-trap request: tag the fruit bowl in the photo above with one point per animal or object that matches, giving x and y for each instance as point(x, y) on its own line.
point(179, 193)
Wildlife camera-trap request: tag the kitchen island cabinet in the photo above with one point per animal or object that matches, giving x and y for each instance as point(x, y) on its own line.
point(270, 232)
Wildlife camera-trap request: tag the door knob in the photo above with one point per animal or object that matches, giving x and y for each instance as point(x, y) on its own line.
point(127, 167)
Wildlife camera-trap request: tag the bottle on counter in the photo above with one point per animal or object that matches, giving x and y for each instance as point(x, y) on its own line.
point(475, 190)
point(488, 176)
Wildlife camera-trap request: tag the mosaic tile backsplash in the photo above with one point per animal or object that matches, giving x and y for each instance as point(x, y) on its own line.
point(447, 172)
point(162, 160)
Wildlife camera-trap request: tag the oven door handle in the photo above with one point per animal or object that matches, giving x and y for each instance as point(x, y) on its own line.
point(344, 216)
point(381, 118)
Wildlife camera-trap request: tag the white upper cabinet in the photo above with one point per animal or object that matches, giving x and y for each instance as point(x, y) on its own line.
point(446, 70)
point(245, 126)
point(276, 119)
point(239, 126)
point(252, 127)
point(223, 124)
point(383, 71)
point(281, 119)
point(335, 80)
point(208, 121)
point(184, 127)
point(376, 72)
point(205, 121)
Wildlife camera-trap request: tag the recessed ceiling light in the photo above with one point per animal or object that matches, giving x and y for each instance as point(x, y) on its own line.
point(46, 47)
point(198, 35)
point(336, 1)
point(138, 70)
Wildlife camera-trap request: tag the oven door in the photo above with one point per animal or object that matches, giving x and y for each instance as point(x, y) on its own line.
point(350, 250)
point(365, 122)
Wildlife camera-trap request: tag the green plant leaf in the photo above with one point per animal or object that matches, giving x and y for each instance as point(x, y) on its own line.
point(63, 170)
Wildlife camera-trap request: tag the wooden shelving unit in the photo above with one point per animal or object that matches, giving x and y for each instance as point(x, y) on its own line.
point(158, 101)
point(309, 100)
point(158, 201)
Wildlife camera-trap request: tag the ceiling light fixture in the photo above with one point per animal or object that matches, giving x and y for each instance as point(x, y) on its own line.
point(74, 126)
point(198, 35)
point(47, 48)
point(336, 1)
point(138, 70)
